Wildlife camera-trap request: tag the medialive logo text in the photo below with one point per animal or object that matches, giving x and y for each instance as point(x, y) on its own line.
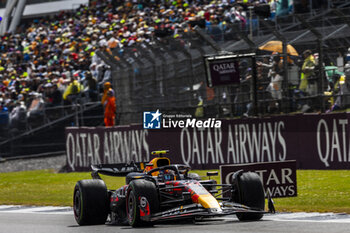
point(155, 120)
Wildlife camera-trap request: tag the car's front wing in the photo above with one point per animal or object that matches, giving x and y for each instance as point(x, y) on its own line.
point(196, 210)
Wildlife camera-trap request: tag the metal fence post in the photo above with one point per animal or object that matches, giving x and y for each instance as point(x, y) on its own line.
point(322, 75)
point(285, 68)
point(254, 86)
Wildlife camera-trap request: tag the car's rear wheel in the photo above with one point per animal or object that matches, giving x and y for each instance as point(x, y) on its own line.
point(141, 201)
point(90, 202)
point(249, 191)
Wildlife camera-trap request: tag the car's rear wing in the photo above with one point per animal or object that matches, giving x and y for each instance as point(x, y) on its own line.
point(117, 169)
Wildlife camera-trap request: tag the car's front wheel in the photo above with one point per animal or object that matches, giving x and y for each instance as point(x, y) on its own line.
point(141, 201)
point(90, 202)
point(249, 191)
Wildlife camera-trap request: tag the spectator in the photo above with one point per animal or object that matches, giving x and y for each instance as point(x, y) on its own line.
point(18, 116)
point(275, 86)
point(110, 108)
point(342, 90)
point(71, 94)
point(4, 116)
point(106, 71)
point(54, 96)
point(273, 6)
point(243, 106)
point(36, 108)
point(263, 81)
point(91, 87)
point(106, 87)
point(308, 83)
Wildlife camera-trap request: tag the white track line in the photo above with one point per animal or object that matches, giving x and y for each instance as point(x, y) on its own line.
point(304, 217)
point(280, 217)
point(6, 206)
point(309, 217)
point(35, 209)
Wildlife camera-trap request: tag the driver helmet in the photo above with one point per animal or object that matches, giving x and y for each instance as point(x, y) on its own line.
point(168, 175)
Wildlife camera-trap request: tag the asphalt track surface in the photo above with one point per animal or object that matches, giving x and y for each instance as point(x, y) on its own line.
point(60, 220)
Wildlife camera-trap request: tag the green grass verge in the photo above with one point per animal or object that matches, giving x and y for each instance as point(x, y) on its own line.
point(321, 191)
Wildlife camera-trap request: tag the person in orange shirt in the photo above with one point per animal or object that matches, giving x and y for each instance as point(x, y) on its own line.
point(106, 87)
point(110, 108)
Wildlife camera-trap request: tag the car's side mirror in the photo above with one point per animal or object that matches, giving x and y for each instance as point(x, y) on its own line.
point(216, 173)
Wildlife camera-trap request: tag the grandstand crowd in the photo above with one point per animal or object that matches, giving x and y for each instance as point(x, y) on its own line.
point(53, 61)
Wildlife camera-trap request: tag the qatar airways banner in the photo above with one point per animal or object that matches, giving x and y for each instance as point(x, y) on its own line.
point(279, 178)
point(314, 141)
point(223, 69)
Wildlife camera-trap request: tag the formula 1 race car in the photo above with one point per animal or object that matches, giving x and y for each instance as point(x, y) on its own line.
point(160, 191)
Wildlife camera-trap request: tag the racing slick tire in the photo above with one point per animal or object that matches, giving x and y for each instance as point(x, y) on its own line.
point(250, 192)
point(141, 200)
point(90, 202)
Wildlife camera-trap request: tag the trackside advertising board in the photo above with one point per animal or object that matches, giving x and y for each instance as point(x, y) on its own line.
point(279, 178)
point(225, 69)
point(315, 141)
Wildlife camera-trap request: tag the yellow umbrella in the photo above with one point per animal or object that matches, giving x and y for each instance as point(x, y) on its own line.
point(276, 46)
